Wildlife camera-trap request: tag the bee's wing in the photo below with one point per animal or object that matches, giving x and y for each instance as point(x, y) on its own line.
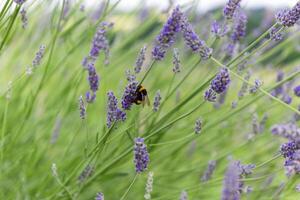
point(147, 100)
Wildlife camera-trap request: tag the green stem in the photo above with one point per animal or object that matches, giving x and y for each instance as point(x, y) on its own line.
point(3, 129)
point(13, 19)
point(147, 72)
point(128, 189)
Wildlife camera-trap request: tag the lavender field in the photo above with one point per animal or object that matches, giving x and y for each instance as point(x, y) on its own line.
point(98, 102)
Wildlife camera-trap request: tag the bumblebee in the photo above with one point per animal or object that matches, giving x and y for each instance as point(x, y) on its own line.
point(141, 96)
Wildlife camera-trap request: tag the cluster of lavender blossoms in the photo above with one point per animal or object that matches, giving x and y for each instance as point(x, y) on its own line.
point(289, 17)
point(193, 41)
point(167, 35)
point(140, 60)
point(198, 126)
point(218, 85)
point(141, 155)
point(230, 8)
point(93, 80)
point(179, 22)
point(209, 171)
point(82, 108)
point(37, 60)
point(290, 150)
point(176, 61)
point(99, 196)
point(114, 114)
point(156, 102)
point(100, 43)
point(20, 2)
point(129, 95)
point(24, 18)
point(233, 186)
point(297, 91)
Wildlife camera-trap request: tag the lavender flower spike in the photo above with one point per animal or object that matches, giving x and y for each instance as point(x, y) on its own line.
point(141, 156)
point(82, 108)
point(24, 18)
point(297, 91)
point(129, 95)
point(166, 37)
point(100, 42)
point(93, 78)
point(220, 83)
point(287, 17)
point(193, 41)
point(176, 61)
point(20, 2)
point(38, 56)
point(210, 95)
point(240, 25)
point(114, 114)
point(156, 102)
point(99, 196)
point(230, 8)
point(198, 126)
point(140, 60)
point(183, 195)
point(209, 171)
point(231, 183)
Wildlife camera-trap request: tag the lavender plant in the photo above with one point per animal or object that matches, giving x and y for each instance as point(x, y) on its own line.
point(66, 133)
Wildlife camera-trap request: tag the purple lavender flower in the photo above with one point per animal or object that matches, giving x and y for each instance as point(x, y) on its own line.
point(209, 171)
point(298, 188)
point(297, 91)
point(82, 108)
point(38, 56)
point(296, 115)
point(141, 156)
point(114, 114)
point(255, 124)
point(99, 196)
point(275, 35)
point(230, 8)
point(287, 99)
point(292, 165)
point(193, 41)
point(234, 104)
point(20, 2)
point(176, 61)
point(90, 97)
point(221, 82)
point(288, 149)
point(210, 95)
point(257, 84)
point(218, 30)
point(24, 18)
point(166, 37)
point(289, 131)
point(231, 184)
point(183, 195)
point(156, 102)
point(129, 95)
point(100, 42)
point(288, 17)
point(86, 173)
point(198, 126)
point(140, 60)
point(93, 78)
point(130, 76)
point(239, 29)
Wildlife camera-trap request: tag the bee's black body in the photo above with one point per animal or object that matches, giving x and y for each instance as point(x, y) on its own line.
point(141, 95)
